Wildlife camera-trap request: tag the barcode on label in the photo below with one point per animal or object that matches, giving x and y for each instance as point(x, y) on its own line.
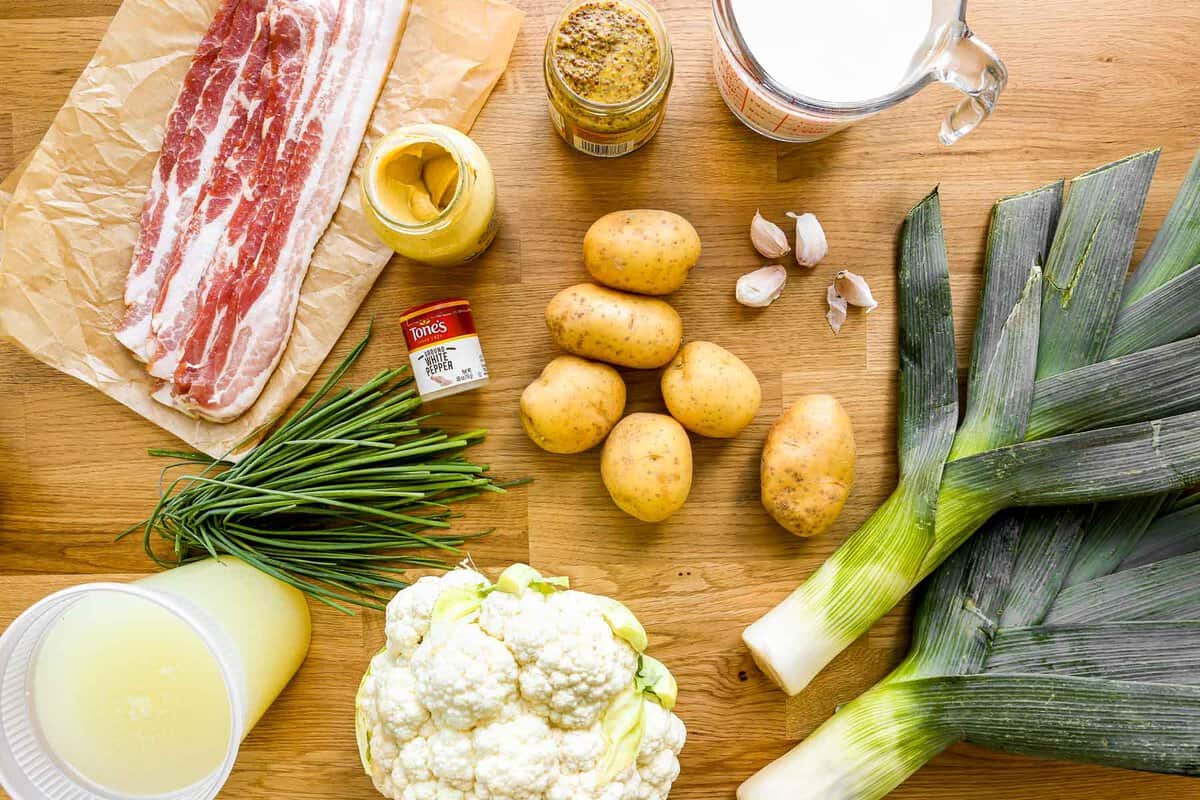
point(605, 150)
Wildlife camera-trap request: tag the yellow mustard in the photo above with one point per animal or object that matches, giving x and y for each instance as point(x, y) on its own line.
point(430, 194)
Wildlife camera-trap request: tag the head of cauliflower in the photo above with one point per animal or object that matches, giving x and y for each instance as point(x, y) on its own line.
point(517, 690)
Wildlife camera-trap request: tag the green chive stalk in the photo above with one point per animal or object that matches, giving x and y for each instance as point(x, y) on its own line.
point(334, 500)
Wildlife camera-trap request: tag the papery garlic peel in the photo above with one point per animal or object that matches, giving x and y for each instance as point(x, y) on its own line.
point(768, 238)
point(837, 308)
point(760, 288)
point(811, 246)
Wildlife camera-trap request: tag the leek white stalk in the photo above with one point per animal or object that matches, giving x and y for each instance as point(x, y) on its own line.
point(864, 751)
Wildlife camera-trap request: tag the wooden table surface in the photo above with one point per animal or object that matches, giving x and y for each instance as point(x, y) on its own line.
point(1089, 82)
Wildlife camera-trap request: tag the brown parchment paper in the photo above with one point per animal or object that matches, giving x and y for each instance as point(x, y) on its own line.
point(71, 215)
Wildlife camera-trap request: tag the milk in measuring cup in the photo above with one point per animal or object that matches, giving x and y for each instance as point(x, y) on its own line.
point(840, 51)
point(799, 70)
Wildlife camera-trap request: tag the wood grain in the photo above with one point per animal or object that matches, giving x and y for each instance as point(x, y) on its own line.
point(1090, 82)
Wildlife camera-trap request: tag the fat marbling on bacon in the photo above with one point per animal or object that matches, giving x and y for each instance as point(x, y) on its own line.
point(215, 83)
point(231, 221)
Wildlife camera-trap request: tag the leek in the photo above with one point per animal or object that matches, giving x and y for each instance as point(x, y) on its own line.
point(1106, 671)
point(1139, 441)
point(1071, 631)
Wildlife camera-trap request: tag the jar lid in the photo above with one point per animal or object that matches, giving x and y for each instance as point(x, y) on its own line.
point(434, 305)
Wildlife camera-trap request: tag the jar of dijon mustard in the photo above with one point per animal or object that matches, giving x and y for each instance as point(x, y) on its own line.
point(608, 67)
point(429, 193)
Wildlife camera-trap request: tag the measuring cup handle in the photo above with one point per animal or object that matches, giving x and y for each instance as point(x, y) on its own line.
point(969, 65)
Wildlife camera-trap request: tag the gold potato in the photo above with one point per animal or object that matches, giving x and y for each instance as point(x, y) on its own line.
point(808, 465)
point(573, 405)
point(710, 390)
point(625, 329)
point(646, 466)
point(645, 251)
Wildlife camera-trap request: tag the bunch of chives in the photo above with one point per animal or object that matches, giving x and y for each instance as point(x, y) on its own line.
point(334, 500)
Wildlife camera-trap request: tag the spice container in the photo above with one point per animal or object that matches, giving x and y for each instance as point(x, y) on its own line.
point(429, 193)
point(443, 348)
point(608, 67)
point(800, 70)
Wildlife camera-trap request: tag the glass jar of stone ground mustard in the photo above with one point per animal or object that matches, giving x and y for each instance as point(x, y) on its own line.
point(608, 68)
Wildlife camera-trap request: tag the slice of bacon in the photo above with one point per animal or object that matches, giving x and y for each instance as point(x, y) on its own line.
point(188, 154)
point(249, 293)
point(293, 35)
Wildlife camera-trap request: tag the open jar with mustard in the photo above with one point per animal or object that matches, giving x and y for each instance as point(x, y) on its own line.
point(608, 68)
point(429, 193)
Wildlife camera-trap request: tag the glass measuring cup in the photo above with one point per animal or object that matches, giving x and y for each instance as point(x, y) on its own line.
point(950, 54)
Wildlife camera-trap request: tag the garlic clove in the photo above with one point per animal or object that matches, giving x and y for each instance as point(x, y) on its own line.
point(760, 288)
point(855, 289)
point(768, 238)
point(837, 308)
point(811, 246)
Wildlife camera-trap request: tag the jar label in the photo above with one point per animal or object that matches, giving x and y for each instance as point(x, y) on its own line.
point(605, 145)
point(447, 364)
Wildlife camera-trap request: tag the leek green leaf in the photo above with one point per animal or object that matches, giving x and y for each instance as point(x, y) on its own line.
point(1158, 382)
point(1168, 313)
point(1173, 534)
point(1156, 651)
point(1176, 246)
point(1088, 260)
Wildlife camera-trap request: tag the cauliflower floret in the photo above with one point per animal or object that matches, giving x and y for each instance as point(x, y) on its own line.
point(516, 759)
point(409, 611)
point(414, 757)
point(452, 758)
point(580, 751)
point(425, 790)
point(583, 787)
point(571, 663)
point(500, 607)
point(397, 705)
point(463, 676)
point(657, 759)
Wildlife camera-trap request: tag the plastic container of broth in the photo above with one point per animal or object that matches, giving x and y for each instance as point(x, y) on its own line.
point(144, 691)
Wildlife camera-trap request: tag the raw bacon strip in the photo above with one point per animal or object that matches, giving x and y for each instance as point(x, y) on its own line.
point(188, 154)
point(293, 34)
point(248, 306)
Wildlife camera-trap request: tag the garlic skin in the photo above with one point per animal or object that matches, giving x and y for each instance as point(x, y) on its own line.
point(855, 289)
point(811, 246)
point(760, 288)
point(768, 238)
point(837, 308)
